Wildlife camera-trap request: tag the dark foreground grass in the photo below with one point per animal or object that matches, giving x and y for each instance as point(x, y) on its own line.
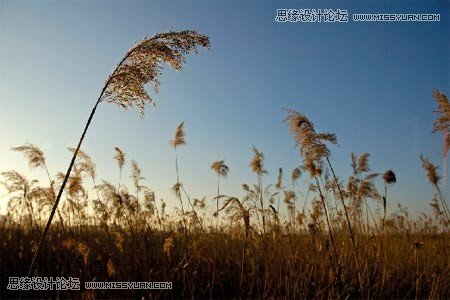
point(229, 265)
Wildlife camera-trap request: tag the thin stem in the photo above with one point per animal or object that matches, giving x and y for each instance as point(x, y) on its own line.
point(416, 254)
point(352, 236)
point(295, 209)
point(330, 232)
point(217, 201)
point(261, 202)
point(69, 169)
point(181, 201)
point(444, 205)
point(178, 187)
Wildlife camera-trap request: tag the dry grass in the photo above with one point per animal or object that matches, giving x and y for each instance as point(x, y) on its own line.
point(115, 235)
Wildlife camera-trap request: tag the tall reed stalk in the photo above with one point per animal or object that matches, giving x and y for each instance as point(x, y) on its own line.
point(221, 170)
point(434, 178)
point(389, 178)
point(257, 166)
point(313, 149)
point(142, 64)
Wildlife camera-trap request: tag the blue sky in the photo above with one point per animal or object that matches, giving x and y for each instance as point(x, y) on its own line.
point(370, 83)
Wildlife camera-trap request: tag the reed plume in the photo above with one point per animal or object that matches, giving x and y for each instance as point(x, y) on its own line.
point(432, 173)
point(362, 165)
point(312, 145)
point(257, 166)
point(389, 178)
point(296, 173)
point(85, 163)
point(36, 159)
point(240, 211)
point(136, 176)
point(178, 140)
point(120, 158)
point(33, 154)
point(179, 136)
point(279, 185)
point(442, 122)
point(434, 178)
point(221, 170)
point(142, 64)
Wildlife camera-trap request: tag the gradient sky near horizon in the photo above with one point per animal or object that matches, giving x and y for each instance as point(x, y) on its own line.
point(370, 83)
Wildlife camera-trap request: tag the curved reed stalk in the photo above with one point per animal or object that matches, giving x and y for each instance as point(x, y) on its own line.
point(142, 64)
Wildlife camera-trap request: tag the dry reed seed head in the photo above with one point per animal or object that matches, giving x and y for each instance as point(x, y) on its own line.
point(257, 162)
point(431, 170)
point(446, 141)
point(220, 168)
point(371, 176)
point(272, 200)
point(312, 188)
point(201, 203)
point(179, 136)
point(176, 188)
point(42, 195)
point(143, 64)
point(33, 154)
point(279, 182)
point(136, 174)
point(314, 168)
point(289, 196)
point(14, 181)
point(442, 122)
point(352, 186)
point(119, 157)
point(389, 177)
point(75, 186)
point(296, 173)
point(109, 191)
point(84, 162)
point(354, 163)
point(367, 189)
point(311, 144)
point(363, 163)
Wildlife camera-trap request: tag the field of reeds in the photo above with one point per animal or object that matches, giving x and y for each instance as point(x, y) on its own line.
point(336, 239)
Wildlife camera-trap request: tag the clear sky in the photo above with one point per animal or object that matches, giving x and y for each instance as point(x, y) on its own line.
point(370, 83)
